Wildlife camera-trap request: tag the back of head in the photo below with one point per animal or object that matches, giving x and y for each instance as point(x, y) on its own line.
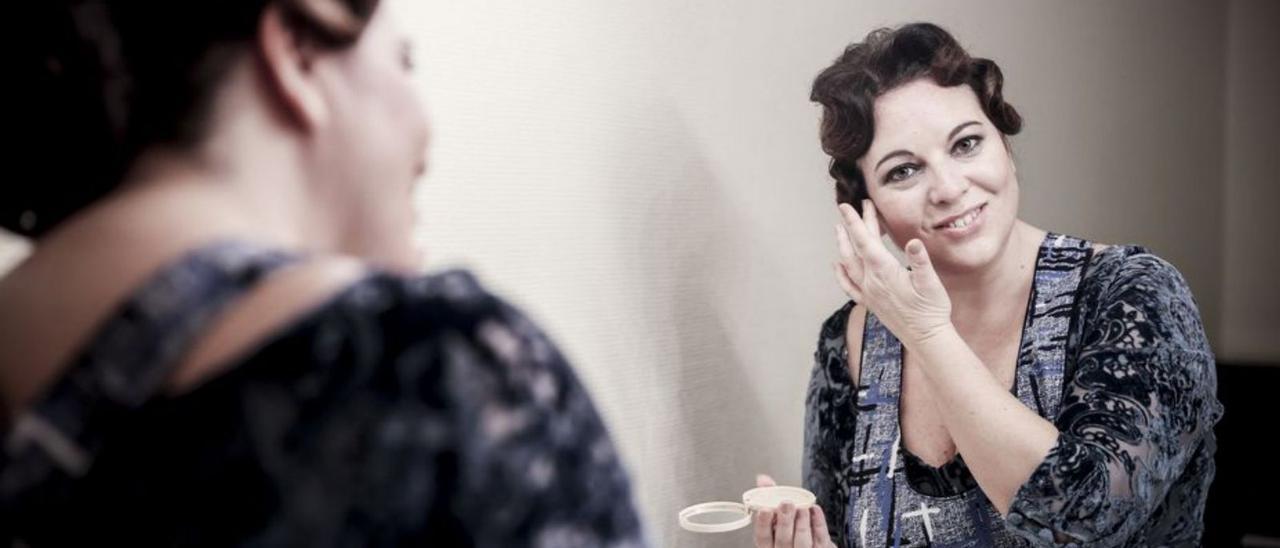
point(884, 60)
point(101, 81)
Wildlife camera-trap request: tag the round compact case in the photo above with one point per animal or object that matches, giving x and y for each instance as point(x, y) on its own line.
point(718, 517)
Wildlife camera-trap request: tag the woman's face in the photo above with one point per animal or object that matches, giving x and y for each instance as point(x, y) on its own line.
point(373, 147)
point(938, 170)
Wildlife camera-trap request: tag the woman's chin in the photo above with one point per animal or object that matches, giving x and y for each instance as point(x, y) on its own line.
point(966, 256)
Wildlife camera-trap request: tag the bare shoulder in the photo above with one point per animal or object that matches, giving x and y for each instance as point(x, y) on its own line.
point(276, 302)
point(51, 303)
point(853, 339)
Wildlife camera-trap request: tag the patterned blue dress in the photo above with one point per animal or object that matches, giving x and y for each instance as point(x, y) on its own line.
point(403, 411)
point(1112, 352)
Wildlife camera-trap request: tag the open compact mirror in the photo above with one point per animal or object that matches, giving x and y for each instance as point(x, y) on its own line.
point(718, 517)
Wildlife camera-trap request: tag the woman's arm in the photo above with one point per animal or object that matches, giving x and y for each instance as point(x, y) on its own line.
point(1135, 411)
point(1138, 407)
point(1137, 415)
point(1002, 440)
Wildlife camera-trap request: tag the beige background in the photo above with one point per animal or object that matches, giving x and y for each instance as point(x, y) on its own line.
point(1249, 326)
point(643, 178)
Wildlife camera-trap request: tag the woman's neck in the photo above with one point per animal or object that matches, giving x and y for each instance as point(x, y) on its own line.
point(986, 296)
point(251, 196)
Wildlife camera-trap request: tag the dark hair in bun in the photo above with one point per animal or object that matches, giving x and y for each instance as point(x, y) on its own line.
point(884, 60)
point(100, 81)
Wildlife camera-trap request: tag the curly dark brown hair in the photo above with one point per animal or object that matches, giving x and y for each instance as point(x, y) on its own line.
point(101, 81)
point(884, 60)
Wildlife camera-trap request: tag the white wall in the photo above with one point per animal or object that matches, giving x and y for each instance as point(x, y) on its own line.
point(1250, 323)
point(644, 179)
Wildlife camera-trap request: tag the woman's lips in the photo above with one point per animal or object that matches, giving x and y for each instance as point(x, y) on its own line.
point(966, 224)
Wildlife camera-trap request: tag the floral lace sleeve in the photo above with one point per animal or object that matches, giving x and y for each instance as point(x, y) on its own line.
point(536, 466)
point(828, 424)
point(416, 411)
point(430, 412)
point(1137, 415)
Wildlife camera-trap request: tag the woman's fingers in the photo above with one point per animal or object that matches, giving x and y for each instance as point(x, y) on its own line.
point(845, 280)
point(821, 536)
point(922, 274)
point(764, 529)
point(854, 226)
point(871, 218)
point(849, 271)
point(784, 531)
point(804, 535)
point(842, 278)
point(787, 526)
point(848, 256)
point(870, 250)
point(845, 245)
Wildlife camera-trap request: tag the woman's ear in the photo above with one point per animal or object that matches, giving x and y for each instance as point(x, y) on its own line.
point(287, 62)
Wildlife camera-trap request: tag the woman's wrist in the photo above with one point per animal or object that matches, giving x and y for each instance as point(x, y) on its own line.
point(941, 352)
point(937, 337)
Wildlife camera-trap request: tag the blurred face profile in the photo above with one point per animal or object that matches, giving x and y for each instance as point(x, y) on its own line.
point(373, 147)
point(938, 170)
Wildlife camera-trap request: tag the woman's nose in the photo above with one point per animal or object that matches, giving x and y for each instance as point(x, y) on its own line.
point(947, 187)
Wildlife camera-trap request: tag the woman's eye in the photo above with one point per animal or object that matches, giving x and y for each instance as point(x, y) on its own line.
point(901, 173)
point(967, 145)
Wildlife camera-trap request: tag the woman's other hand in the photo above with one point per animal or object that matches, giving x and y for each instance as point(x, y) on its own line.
point(789, 527)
